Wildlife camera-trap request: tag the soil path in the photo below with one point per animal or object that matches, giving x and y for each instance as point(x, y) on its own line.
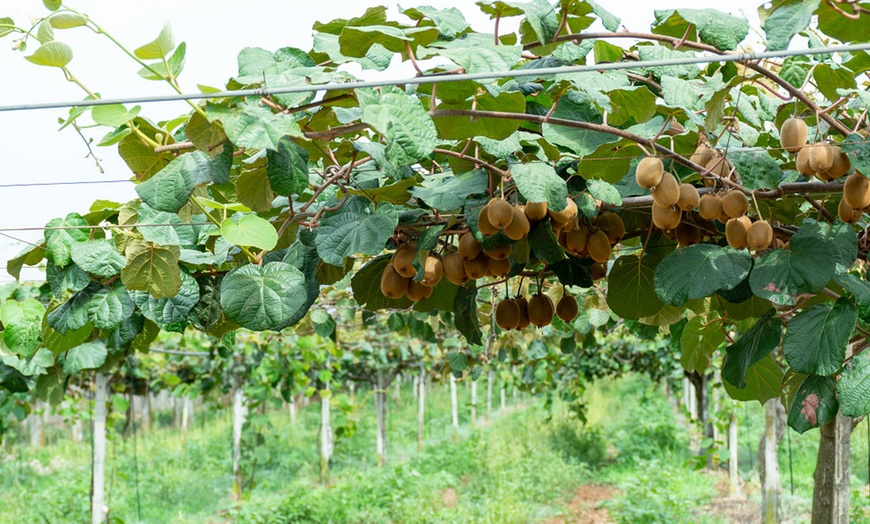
point(585, 508)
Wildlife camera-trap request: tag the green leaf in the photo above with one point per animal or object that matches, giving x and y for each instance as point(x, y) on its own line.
point(51, 54)
point(449, 192)
point(574, 106)
point(698, 341)
point(787, 21)
point(721, 30)
point(6, 25)
point(355, 229)
point(169, 310)
point(458, 361)
point(152, 268)
point(699, 271)
point(465, 313)
point(250, 230)
point(255, 191)
point(366, 287)
point(22, 322)
point(108, 306)
point(544, 244)
point(853, 388)
point(630, 287)
point(763, 381)
point(541, 17)
point(141, 158)
point(572, 272)
point(754, 345)
point(837, 26)
point(67, 20)
point(263, 297)
point(288, 168)
point(10, 378)
point(814, 404)
point(124, 333)
point(51, 386)
point(89, 355)
point(604, 191)
point(98, 257)
point(756, 167)
point(170, 188)
point(57, 342)
point(401, 118)
point(72, 314)
point(356, 41)
point(167, 229)
point(538, 182)
point(303, 256)
point(450, 22)
point(30, 255)
point(60, 234)
point(158, 48)
point(114, 115)
point(169, 70)
point(253, 126)
point(258, 62)
point(816, 338)
point(830, 79)
point(461, 127)
point(208, 137)
point(858, 150)
point(609, 21)
point(52, 5)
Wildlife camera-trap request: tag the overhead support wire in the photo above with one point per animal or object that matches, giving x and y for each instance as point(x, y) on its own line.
point(442, 78)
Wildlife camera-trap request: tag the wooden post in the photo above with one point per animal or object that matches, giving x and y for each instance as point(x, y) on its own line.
point(239, 414)
point(503, 390)
point(454, 405)
point(733, 450)
point(292, 407)
point(771, 505)
point(831, 477)
point(473, 404)
point(421, 408)
point(98, 510)
point(489, 380)
point(185, 418)
point(381, 410)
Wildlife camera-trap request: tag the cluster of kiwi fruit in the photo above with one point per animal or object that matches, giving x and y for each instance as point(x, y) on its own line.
point(538, 310)
point(670, 198)
point(730, 208)
point(398, 280)
point(498, 215)
point(827, 162)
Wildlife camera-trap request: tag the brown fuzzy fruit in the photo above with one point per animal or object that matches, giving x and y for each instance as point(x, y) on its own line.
point(567, 308)
point(417, 291)
point(477, 267)
point(541, 310)
point(393, 285)
point(847, 214)
point(735, 204)
point(719, 166)
point(687, 234)
point(507, 314)
point(403, 260)
point(575, 241)
point(649, 172)
point(598, 270)
point(667, 193)
point(500, 213)
point(735, 231)
point(519, 226)
point(841, 166)
point(759, 235)
point(469, 247)
point(536, 210)
point(710, 206)
point(689, 197)
point(567, 214)
point(703, 155)
point(793, 135)
point(484, 225)
point(454, 268)
point(598, 246)
point(802, 162)
point(501, 252)
point(612, 224)
point(666, 218)
point(433, 271)
point(821, 157)
point(498, 268)
point(523, 304)
point(856, 191)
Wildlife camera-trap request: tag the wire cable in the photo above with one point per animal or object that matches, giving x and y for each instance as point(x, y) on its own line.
point(441, 78)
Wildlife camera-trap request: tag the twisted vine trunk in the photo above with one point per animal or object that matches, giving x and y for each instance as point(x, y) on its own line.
point(98, 480)
point(831, 477)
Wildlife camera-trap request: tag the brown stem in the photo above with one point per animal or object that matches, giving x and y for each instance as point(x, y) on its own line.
point(413, 58)
point(463, 156)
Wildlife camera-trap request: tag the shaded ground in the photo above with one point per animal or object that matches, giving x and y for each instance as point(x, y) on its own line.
point(585, 508)
point(736, 509)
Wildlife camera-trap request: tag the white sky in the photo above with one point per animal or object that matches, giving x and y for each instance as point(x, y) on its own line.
point(34, 151)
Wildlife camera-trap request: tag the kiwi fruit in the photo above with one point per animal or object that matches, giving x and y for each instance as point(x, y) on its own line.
point(433, 271)
point(575, 241)
point(541, 310)
point(702, 155)
point(469, 247)
point(598, 246)
point(735, 231)
point(501, 252)
point(847, 213)
point(567, 214)
point(687, 234)
point(454, 268)
point(841, 166)
point(856, 191)
point(598, 270)
point(536, 210)
point(802, 162)
point(821, 157)
point(523, 304)
point(649, 172)
point(719, 166)
point(612, 224)
point(735, 203)
point(675, 128)
point(519, 226)
point(666, 217)
point(507, 314)
point(417, 291)
point(393, 285)
point(498, 268)
point(667, 192)
point(484, 225)
point(689, 197)
point(403, 260)
point(710, 206)
point(500, 213)
point(567, 308)
point(793, 134)
point(477, 267)
point(759, 235)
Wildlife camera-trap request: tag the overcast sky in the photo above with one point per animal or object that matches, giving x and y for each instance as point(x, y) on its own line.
point(34, 151)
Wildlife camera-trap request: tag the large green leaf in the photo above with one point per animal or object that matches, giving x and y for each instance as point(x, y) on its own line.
point(538, 182)
point(30, 255)
point(754, 345)
point(288, 168)
point(448, 192)
point(465, 313)
point(167, 229)
point(152, 268)
point(303, 256)
point(22, 322)
point(461, 127)
point(858, 150)
point(757, 169)
point(10, 378)
point(169, 310)
point(366, 286)
point(449, 21)
point(630, 287)
point(60, 234)
point(158, 48)
point(72, 314)
point(263, 297)
point(355, 229)
point(57, 342)
point(401, 118)
point(114, 115)
point(698, 341)
point(166, 70)
point(575, 106)
point(254, 190)
point(721, 30)
point(250, 230)
point(786, 21)
point(89, 355)
point(474, 52)
point(837, 26)
point(829, 79)
point(51, 54)
point(170, 188)
point(120, 337)
point(816, 338)
point(356, 41)
point(544, 244)
point(256, 62)
point(853, 388)
point(814, 404)
point(762, 382)
point(109, 306)
point(51, 386)
point(699, 271)
point(253, 126)
point(97, 257)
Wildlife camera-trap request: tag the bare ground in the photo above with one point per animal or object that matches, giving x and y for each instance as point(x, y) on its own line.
point(585, 508)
